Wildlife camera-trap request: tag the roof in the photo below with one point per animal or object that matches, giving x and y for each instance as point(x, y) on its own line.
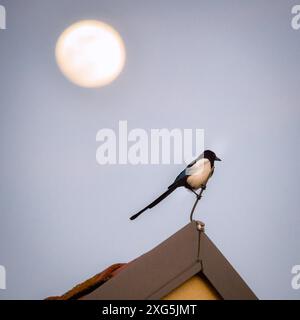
point(156, 273)
point(91, 284)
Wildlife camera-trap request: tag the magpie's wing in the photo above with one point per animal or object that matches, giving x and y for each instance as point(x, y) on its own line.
point(194, 161)
point(181, 178)
point(181, 175)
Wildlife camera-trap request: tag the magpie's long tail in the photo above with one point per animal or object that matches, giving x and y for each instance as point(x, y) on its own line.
point(156, 201)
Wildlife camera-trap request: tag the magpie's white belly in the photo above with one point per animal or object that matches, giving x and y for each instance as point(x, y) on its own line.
point(199, 174)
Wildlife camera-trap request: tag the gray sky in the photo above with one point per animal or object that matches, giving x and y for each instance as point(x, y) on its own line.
point(229, 67)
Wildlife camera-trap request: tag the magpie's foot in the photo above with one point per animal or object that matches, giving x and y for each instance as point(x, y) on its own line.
point(199, 196)
point(195, 193)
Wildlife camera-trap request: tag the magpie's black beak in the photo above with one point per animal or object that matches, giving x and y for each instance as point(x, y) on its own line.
point(217, 159)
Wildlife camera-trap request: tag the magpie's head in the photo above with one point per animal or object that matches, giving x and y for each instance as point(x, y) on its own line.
point(211, 156)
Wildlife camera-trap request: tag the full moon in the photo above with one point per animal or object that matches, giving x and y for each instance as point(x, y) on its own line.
point(90, 53)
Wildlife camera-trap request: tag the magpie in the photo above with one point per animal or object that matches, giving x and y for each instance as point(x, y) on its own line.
point(193, 177)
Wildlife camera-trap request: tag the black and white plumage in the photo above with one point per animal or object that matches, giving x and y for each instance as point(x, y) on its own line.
point(193, 177)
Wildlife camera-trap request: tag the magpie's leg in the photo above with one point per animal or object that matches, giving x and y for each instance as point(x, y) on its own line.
point(198, 197)
point(203, 187)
